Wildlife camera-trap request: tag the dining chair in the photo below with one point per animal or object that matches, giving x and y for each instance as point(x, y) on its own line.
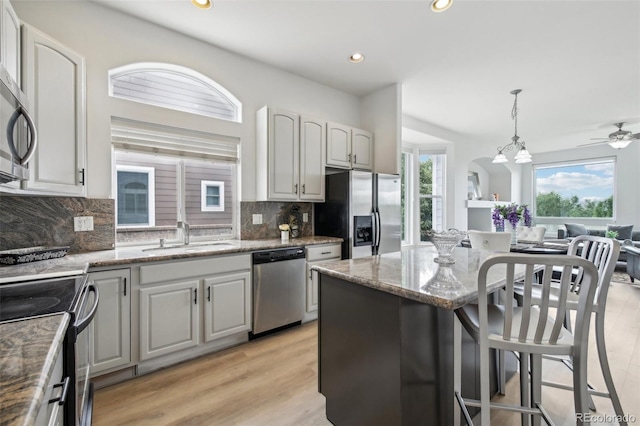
point(531, 329)
point(533, 234)
point(496, 241)
point(603, 253)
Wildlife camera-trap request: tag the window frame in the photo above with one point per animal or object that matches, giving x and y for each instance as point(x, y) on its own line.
point(203, 196)
point(185, 72)
point(420, 196)
point(413, 195)
point(584, 219)
point(408, 197)
point(151, 194)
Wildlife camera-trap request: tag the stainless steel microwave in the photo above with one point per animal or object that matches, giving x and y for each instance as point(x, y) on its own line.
point(18, 134)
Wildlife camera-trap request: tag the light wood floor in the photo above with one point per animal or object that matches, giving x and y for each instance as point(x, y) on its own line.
point(273, 381)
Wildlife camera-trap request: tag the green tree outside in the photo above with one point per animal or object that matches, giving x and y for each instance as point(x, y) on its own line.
point(553, 204)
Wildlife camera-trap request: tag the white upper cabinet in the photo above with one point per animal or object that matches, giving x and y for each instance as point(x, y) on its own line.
point(10, 40)
point(53, 78)
point(338, 145)
point(289, 156)
point(349, 148)
point(312, 158)
point(362, 149)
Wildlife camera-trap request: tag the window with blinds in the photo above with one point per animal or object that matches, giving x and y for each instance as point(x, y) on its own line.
point(165, 174)
point(174, 87)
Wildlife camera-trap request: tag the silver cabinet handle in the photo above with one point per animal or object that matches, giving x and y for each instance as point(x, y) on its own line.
point(303, 188)
point(349, 156)
point(209, 294)
point(296, 188)
point(81, 176)
point(195, 296)
point(354, 159)
point(125, 287)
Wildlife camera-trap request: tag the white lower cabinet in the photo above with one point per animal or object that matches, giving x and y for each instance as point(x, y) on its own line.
point(168, 318)
point(112, 323)
point(51, 413)
point(227, 308)
point(189, 303)
point(316, 255)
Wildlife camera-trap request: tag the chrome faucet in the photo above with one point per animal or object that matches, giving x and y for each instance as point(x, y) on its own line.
point(185, 231)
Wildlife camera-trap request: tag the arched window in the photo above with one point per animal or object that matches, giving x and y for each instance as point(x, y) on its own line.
point(174, 87)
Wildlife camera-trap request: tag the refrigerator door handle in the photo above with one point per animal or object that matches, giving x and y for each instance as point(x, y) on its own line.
point(376, 231)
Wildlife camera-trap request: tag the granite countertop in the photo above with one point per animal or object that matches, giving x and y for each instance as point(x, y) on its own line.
point(79, 263)
point(28, 352)
point(412, 273)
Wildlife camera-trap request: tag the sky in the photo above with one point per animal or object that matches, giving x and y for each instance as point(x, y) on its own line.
point(587, 181)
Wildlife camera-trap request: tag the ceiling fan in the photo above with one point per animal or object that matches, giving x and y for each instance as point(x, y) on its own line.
point(618, 139)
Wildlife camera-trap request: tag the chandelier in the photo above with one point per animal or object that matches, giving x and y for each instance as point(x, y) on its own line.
point(523, 155)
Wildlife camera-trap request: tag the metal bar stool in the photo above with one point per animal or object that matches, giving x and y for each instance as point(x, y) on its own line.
point(531, 329)
point(603, 253)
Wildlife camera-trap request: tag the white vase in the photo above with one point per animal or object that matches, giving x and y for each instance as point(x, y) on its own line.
point(514, 234)
point(284, 236)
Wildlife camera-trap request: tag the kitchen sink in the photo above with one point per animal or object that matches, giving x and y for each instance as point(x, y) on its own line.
point(194, 247)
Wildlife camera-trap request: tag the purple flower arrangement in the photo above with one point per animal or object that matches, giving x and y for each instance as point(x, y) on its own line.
point(513, 213)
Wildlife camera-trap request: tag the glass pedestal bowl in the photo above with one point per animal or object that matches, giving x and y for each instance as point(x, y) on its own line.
point(444, 282)
point(445, 241)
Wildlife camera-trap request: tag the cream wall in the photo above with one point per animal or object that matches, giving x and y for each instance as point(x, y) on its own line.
point(109, 39)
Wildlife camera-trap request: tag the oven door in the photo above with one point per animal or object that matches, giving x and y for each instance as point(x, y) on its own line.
point(87, 306)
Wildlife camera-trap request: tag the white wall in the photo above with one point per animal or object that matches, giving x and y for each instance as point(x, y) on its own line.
point(109, 39)
point(381, 114)
point(627, 192)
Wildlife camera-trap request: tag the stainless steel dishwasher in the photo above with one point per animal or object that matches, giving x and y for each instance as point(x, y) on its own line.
point(278, 288)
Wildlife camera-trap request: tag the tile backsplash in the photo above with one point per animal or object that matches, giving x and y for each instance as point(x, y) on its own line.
point(273, 214)
point(48, 221)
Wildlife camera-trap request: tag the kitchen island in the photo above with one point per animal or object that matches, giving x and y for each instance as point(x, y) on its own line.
point(386, 332)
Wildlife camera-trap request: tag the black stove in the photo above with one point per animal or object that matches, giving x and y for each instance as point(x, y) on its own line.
point(77, 297)
point(38, 297)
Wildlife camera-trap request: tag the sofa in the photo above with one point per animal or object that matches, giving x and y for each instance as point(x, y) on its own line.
point(573, 230)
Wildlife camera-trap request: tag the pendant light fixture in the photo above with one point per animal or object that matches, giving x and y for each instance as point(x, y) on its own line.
point(523, 155)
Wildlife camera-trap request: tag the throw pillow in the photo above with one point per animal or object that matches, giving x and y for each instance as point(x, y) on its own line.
point(624, 231)
point(576, 229)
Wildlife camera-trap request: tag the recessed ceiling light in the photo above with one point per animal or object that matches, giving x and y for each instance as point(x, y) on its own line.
point(202, 4)
point(440, 5)
point(356, 58)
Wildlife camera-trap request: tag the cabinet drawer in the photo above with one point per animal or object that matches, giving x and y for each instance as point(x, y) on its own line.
point(315, 253)
point(209, 266)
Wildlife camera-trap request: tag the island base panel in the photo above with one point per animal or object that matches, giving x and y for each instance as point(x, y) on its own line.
point(387, 360)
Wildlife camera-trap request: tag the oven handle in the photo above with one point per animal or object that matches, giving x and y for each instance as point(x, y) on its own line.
point(82, 323)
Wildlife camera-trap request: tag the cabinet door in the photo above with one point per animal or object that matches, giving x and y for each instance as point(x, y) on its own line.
point(54, 82)
point(338, 145)
point(112, 323)
point(168, 318)
point(312, 284)
point(312, 288)
point(10, 40)
point(283, 155)
point(227, 308)
point(312, 158)
point(362, 149)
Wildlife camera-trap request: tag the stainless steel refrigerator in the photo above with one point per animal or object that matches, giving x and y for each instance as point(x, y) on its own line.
point(363, 209)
